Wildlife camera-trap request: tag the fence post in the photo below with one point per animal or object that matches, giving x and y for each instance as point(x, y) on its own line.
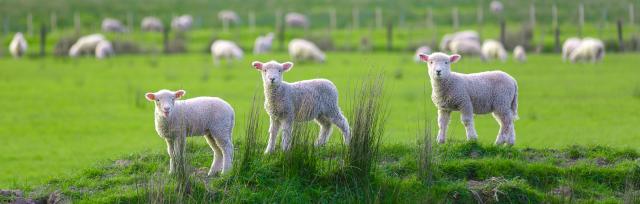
point(165, 39)
point(5, 25)
point(30, 24)
point(389, 36)
point(556, 29)
point(480, 16)
point(54, 21)
point(332, 19)
point(356, 18)
point(454, 16)
point(503, 32)
point(130, 21)
point(378, 17)
point(620, 39)
point(76, 23)
point(532, 15)
point(278, 19)
point(43, 39)
point(252, 21)
point(632, 17)
point(580, 19)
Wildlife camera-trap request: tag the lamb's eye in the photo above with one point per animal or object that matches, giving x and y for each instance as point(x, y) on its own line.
point(431, 62)
point(157, 100)
point(446, 62)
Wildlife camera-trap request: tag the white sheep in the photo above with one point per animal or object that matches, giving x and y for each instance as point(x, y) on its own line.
point(492, 49)
point(496, 7)
point(228, 16)
point(519, 54)
point(86, 45)
point(307, 100)
point(263, 44)
point(151, 23)
point(478, 93)
point(301, 50)
point(112, 25)
point(466, 47)
point(589, 50)
point(421, 50)
point(18, 46)
point(224, 49)
point(182, 23)
point(467, 35)
point(294, 19)
point(211, 117)
point(568, 46)
point(104, 49)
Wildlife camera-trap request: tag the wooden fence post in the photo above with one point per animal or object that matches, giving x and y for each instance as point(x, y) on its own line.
point(389, 36)
point(43, 40)
point(503, 32)
point(378, 17)
point(580, 19)
point(332, 19)
point(356, 18)
point(76, 23)
point(30, 24)
point(556, 28)
point(620, 34)
point(54, 21)
point(252, 21)
point(454, 16)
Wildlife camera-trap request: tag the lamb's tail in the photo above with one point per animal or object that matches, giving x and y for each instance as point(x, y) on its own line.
point(514, 104)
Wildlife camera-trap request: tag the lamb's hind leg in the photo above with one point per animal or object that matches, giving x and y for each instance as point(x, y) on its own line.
point(507, 131)
point(325, 131)
point(216, 165)
point(467, 120)
point(343, 124)
point(226, 145)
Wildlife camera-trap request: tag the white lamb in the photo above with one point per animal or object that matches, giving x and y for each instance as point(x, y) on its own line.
point(182, 23)
point(294, 19)
point(315, 99)
point(86, 45)
point(589, 50)
point(478, 93)
point(263, 44)
point(421, 50)
point(496, 6)
point(228, 16)
point(211, 117)
point(112, 25)
point(519, 54)
point(492, 49)
point(301, 50)
point(466, 47)
point(151, 23)
point(18, 45)
point(467, 35)
point(568, 46)
point(224, 49)
point(104, 49)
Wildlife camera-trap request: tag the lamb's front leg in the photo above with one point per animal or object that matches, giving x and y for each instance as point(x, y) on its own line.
point(179, 155)
point(287, 129)
point(443, 123)
point(171, 153)
point(466, 115)
point(274, 127)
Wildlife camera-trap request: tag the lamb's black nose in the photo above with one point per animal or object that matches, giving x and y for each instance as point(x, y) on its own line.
point(272, 79)
point(438, 72)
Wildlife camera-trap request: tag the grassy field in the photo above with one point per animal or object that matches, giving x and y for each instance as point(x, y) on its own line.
point(61, 115)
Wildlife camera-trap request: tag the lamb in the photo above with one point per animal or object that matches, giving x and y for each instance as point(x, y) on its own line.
point(294, 19)
point(228, 16)
point(467, 35)
point(519, 54)
point(86, 44)
point(568, 46)
point(225, 49)
point(466, 47)
point(315, 99)
point(301, 50)
point(496, 7)
point(211, 117)
point(263, 44)
point(590, 49)
point(112, 25)
point(151, 23)
point(104, 49)
point(18, 45)
point(492, 49)
point(182, 23)
point(421, 50)
point(477, 93)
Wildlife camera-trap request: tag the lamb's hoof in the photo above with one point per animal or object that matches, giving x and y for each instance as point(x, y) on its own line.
point(440, 140)
point(213, 174)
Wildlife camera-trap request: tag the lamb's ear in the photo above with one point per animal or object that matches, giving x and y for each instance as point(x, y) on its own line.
point(454, 58)
point(150, 96)
point(287, 66)
point(423, 57)
point(257, 65)
point(180, 93)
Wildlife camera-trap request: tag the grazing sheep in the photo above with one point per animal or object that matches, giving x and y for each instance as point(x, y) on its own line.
point(104, 49)
point(86, 45)
point(421, 50)
point(18, 45)
point(175, 120)
point(301, 50)
point(568, 46)
point(466, 47)
point(477, 93)
point(112, 25)
point(151, 23)
point(182, 23)
point(228, 16)
point(315, 99)
point(496, 7)
point(492, 49)
point(294, 19)
point(263, 44)
point(224, 49)
point(519, 54)
point(467, 35)
point(589, 50)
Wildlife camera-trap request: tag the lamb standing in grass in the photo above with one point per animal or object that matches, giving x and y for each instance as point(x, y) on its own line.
point(112, 25)
point(568, 46)
point(104, 49)
point(294, 19)
point(315, 99)
point(224, 49)
point(18, 45)
point(492, 49)
point(477, 93)
point(589, 50)
point(182, 23)
point(86, 44)
point(301, 50)
point(151, 23)
point(263, 44)
point(519, 54)
point(175, 120)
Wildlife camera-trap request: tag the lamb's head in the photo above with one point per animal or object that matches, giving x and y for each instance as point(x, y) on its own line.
point(439, 64)
point(272, 72)
point(164, 100)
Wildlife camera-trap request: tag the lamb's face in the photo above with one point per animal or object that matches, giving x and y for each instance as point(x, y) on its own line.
point(439, 64)
point(272, 71)
point(164, 100)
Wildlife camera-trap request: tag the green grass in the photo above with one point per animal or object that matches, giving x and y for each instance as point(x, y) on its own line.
point(61, 114)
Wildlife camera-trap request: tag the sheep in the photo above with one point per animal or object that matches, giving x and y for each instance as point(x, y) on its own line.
point(477, 93)
point(151, 23)
point(225, 49)
point(104, 49)
point(519, 54)
point(466, 47)
point(86, 44)
point(294, 19)
point(18, 45)
point(568, 46)
point(496, 7)
point(182, 23)
point(315, 99)
point(590, 49)
point(112, 25)
point(228, 16)
point(263, 44)
point(467, 35)
point(492, 49)
point(211, 117)
point(301, 50)
point(421, 50)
